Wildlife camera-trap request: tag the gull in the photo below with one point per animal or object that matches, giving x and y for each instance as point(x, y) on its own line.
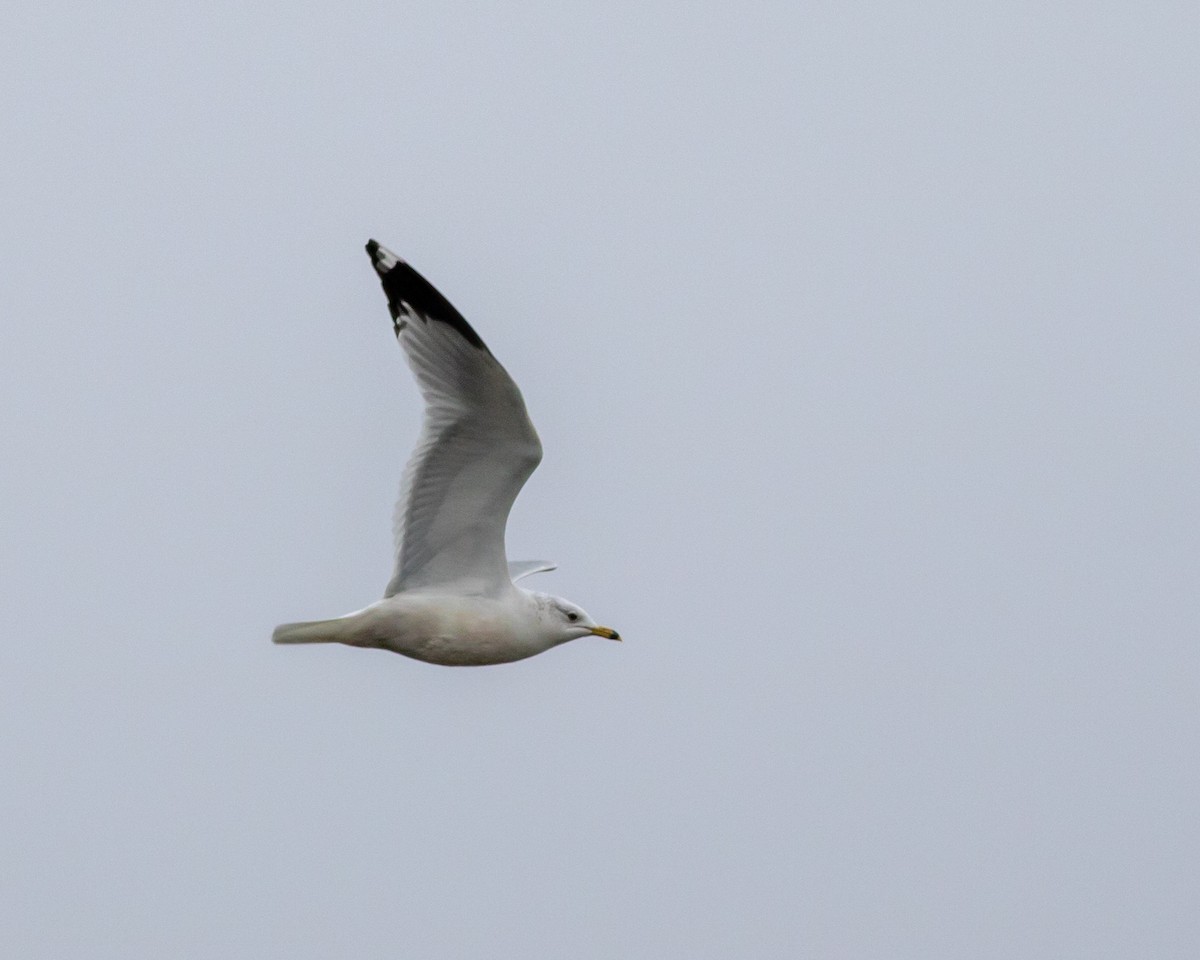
point(453, 597)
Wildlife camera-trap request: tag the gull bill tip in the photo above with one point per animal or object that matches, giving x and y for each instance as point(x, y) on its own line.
point(607, 632)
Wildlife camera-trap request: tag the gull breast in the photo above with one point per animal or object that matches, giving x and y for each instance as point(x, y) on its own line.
point(453, 630)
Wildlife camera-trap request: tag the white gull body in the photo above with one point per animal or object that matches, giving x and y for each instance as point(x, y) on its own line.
point(453, 599)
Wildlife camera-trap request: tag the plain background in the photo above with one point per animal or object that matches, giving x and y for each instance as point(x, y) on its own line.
point(862, 341)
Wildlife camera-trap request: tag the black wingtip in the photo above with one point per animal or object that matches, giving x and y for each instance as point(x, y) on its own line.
point(410, 293)
point(382, 259)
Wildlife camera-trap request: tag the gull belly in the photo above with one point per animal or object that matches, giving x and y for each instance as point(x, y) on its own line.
point(452, 630)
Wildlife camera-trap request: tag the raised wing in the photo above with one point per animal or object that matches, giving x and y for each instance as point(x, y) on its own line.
point(477, 447)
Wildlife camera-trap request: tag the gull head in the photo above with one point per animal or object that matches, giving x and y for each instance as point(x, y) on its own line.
point(561, 620)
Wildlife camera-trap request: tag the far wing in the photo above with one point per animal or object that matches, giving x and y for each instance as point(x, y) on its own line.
point(477, 447)
point(525, 568)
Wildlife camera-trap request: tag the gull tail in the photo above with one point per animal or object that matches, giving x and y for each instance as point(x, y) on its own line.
point(311, 631)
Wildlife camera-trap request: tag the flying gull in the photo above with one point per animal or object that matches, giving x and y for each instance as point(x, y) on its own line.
point(453, 597)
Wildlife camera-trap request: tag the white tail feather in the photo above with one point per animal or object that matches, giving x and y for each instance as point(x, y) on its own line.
point(312, 631)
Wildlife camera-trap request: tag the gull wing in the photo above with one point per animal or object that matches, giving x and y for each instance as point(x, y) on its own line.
point(476, 450)
point(526, 568)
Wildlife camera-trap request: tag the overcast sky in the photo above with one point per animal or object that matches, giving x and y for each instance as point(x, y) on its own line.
point(863, 344)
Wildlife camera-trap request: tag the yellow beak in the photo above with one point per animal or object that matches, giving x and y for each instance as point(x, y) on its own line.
point(606, 632)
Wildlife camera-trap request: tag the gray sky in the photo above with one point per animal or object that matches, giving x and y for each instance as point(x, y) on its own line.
point(862, 341)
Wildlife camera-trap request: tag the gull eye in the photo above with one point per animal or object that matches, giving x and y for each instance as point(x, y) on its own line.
point(572, 617)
